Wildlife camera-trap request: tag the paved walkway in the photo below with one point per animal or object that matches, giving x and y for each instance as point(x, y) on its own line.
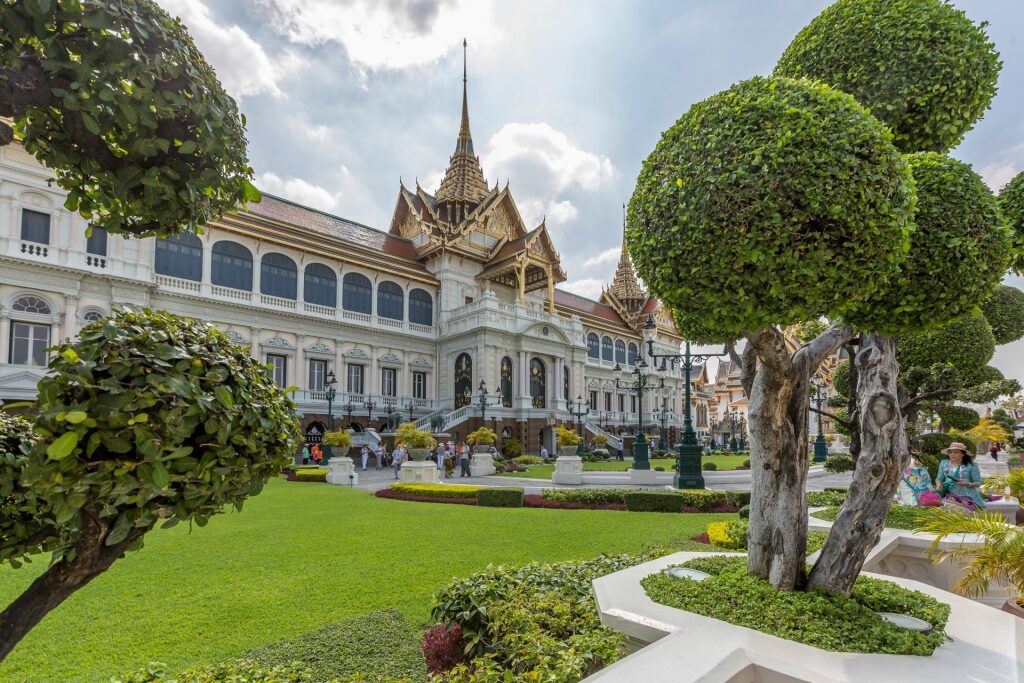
point(374, 480)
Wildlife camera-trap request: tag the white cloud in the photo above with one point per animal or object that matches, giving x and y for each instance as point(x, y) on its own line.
point(998, 173)
point(386, 34)
point(561, 212)
point(589, 287)
point(298, 190)
point(242, 65)
point(607, 256)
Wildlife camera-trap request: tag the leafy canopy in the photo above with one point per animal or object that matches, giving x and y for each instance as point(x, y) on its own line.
point(1004, 311)
point(1011, 201)
point(921, 66)
point(148, 417)
point(117, 101)
point(966, 344)
point(960, 418)
point(755, 193)
point(958, 251)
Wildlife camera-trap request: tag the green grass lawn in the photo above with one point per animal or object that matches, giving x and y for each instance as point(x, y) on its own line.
point(299, 556)
point(724, 462)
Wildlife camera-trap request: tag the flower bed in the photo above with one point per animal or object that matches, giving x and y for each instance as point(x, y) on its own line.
point(398, 495)
point(827, 621)
point(438, 490)
point(898, 517)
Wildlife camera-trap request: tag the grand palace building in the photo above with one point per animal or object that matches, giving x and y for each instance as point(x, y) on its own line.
point(458, 291)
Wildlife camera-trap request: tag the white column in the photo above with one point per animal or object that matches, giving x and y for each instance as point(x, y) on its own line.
point(255, 339)
point(5, 335)
point(301, 378)
point(70, 316)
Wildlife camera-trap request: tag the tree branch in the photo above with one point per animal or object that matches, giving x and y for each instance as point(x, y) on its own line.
point(828, 342)
point(920, 398)
point(845, 423)
point(770, 345)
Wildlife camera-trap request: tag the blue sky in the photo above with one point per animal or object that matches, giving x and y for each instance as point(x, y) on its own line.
point(344, 97)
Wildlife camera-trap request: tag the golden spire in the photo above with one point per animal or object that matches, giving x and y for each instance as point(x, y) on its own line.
point(625, 286)
point(464, 179)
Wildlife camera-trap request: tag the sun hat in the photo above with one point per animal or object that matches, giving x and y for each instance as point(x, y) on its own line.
point(955, 446)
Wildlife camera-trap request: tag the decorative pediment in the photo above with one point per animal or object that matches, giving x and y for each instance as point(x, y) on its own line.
point(278, 343)
point(547, 332)
point(420, 362)
point(389, 357)
point(236, 337)
point(319, 347)
point(357, 353)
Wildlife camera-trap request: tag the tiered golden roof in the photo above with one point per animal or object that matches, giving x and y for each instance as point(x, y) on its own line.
point(464, 180)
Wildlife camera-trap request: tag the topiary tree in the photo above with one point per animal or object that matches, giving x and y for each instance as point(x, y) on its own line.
point(762, 188)
point(967, 344)
point(148, 418)
point(960, 418)
point(116, 100)
point(1004, 311)
point(1011, 202)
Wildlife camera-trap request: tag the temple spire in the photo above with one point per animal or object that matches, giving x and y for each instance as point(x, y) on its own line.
point(625, 286)
point(465, 141)
point(464, 179)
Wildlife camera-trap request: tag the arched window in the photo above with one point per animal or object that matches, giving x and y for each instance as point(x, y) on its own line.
point(320, 286)
point(31, 304)
point(506, 382)
point(278, 276)
point(631, 354)
point(356, 293)
point(231, 265)
point(538, 383)
point(606, 348)
point(463, 380)
point(620, 352)
point(390, 300)
point(421, 307)
point(180, 256)
point(593, 346)
point(92, 316)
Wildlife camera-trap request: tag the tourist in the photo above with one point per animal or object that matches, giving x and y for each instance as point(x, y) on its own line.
point(364, 455)
point(544, 453)
point(305, 454)
point(959, 477)
point(397, 458)
point(440, 459)
point(379, 453)
point(464, 460)
point(993, 450)
point(385, 458)
point(916, 487)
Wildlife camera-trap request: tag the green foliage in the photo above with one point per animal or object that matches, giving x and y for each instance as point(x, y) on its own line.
point(643, 501)
point(228, 672)
point(841, 378)
point(829, 621)
point(512, 448)
point(149, 417)
point(921, 66)
point(21, 518)
point(738, 498)
point(1004, 311)
point(311, 473)
point(565, 436)
point(966, 344)
point(586, 496)
point(1000, 556)
point(958, 251)
point(438, 490)
point(744, 512)
point(338, 439)
point(125, 111)
point(1011, 202)
point(505, 497)
point(409, 436)
point(730, 534)
point(958, 417)
point(528, 460)
point(380, 646)
point(599, 440)
point(808, 330)
point(898, 517)
point(709, 467)
point(839, 462)
point(816, 499)
point(779, 181)
point(481, 437)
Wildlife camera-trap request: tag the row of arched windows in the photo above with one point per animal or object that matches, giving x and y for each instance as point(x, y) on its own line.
point(604, 348)
point(181, 256)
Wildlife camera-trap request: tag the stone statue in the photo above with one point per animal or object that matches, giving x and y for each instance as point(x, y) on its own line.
point(395, 419)
point(437, 423)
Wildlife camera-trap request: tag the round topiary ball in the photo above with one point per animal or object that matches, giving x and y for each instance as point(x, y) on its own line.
point(755, 194)
point(152, 416)
point(958, 251)
point(1004, 311)
point(1011, 202)
point(841, 378)
point(921, 66)
point(966, 344)
point(960, 418)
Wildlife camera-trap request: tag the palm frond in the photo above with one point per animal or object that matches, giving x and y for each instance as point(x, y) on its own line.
point(998, 556)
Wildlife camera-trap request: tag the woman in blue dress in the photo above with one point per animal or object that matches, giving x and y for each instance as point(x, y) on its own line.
point(959, 474)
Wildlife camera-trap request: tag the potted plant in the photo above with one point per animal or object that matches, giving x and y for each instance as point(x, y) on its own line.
point(417, 441)
point(999, 556)
point(481, 440)
point(567, 440)
point(340, 440)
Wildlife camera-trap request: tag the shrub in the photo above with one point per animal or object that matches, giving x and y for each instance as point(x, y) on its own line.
point(709, 467)
point(565, 436)
point(1013, 458)
point(659, 468)
point(532, 501)
point(959, 417)
point(587, 496)
point(703, 500)
point(826, 498)
point(898, 517)
point(642, 501)
point(839, 462)
point(481, 437)
point(838, 489)
point(338, 439)
point(1011, 202)
point(746, 464)
point(528, 460)
point(731, 534)
point(738, 498)
point(745, 512)
point(513, 466)
point(409, 436)
point(438, 490)
point(228, 672)
point(600, 440)
point(830, 621)
point(508, 497)
point(399, 495)
point(442, 647)
point(512, 448)
point(1004, 311)
point(310, 474)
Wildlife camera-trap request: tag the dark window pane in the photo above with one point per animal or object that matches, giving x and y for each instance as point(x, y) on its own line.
point(620, 352)
point(356, 293)
point(231, 266)
point(278, 276)
point(593, 346)
point(390, 300)
point(320, 286)
point(606, 348)
point(96, 243)
point(35, 226)
point(632, 354)
point(180, 256)
point(421, 307)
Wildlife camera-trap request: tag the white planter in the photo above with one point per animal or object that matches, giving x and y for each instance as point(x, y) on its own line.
point(342, 472)
point(418, 472)
point(568, 470)
point(481, 465)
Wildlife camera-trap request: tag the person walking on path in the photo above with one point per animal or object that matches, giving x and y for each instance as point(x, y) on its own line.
point(364, 454)
point(993, 450)
point(397, 458)
point(440, 459)
point(544, 453)
point(379, 455)
point(464, 460)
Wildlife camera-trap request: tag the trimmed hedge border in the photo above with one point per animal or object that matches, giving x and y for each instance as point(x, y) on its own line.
point(642, 501)
point(398, 495)
point(511, 497)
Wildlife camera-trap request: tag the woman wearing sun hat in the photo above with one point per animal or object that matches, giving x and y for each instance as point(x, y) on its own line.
point(959, 475)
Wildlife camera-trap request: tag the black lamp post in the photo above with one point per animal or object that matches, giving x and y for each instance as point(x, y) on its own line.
point(484, 396)
point(714, 428)
point(662, 437)
point(370, 405)
point(579, 408)
point(688, 471)
point(638, 386)
point(329, 384)
point(410, 407)
point(820, 447)
point(733, 424)
point(743, 433)
point(349, 407)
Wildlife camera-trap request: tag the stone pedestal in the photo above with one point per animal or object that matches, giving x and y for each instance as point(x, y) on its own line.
point(418, 472)
point(1007, 507)
point(643, 477)
point(342, 472)
point(991, 468)
point(568, 470)
point(481, 465)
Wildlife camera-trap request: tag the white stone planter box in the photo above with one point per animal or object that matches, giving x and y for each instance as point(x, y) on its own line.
point(342, 472)
point(481, 465)
point(688, 647)
point(418, 472)
point(568, 470)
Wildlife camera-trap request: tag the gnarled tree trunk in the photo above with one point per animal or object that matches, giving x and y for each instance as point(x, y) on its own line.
point(883, 456)
point(777, 385)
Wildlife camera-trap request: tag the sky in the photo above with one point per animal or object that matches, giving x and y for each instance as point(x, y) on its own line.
point(345, 98)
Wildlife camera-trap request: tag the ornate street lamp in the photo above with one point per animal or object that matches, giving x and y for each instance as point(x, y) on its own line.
point(329, 384)
point(662, 438)
point(579, 409)
point(820, 447)
point(688, 471)
point(349, 407)
point(638, 386)
point(714, 428)
point(734, 445)
point(369, 405)
point(484, 396)
point(410, 407)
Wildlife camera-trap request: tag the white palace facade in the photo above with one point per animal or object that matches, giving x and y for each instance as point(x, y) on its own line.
point(457, 291)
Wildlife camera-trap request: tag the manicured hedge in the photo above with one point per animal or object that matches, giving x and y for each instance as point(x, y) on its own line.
point(825, 620)
point(438, 490)
point(533, 501)
point(642, 501)
point(585, 496)
point(507, 497)
point(308, 474)
point(840, 462)
point(399, 495)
